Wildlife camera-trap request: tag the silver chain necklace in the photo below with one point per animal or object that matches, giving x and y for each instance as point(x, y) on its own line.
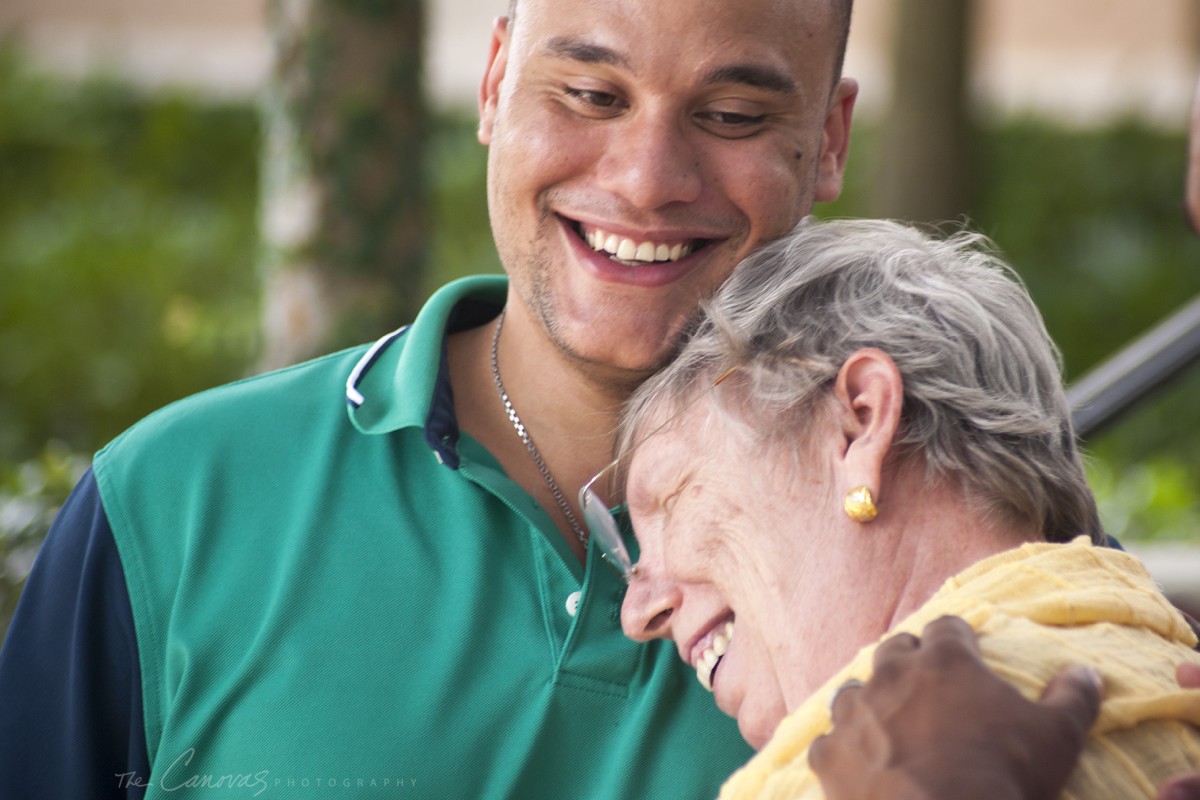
point(580, 533)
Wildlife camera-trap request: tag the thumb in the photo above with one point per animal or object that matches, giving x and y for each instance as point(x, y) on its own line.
point(1076, 692)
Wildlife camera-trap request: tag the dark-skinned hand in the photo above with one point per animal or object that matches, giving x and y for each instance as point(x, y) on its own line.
point(935, 722)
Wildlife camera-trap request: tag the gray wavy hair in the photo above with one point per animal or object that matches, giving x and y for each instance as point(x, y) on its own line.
point(983, 405)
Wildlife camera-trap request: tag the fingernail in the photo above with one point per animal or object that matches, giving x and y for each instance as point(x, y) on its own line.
point(1092, 676)
point(853, 683)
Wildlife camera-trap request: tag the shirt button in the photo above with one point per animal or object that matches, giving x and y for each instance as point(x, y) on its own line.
point(573, 602)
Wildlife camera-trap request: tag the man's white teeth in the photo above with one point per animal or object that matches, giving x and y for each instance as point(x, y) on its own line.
point(712, 654)
point(638, 252)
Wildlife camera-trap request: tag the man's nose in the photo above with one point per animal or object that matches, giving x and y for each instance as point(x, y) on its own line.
point(651, 162)
point(649, 605)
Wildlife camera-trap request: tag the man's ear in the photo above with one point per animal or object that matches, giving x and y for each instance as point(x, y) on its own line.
point(870, 392)
point(493, 75)
point(835, 140)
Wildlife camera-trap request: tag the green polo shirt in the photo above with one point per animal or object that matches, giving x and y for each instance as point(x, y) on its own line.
point(351, 599)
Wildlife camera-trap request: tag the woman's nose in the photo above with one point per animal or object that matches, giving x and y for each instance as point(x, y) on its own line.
point(649, 604)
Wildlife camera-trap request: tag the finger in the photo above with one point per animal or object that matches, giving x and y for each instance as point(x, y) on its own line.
point(1075, 691)
point(1188, 675)
point(951, 630)
point(843, 699)
point(819, 755)
point(896, 646)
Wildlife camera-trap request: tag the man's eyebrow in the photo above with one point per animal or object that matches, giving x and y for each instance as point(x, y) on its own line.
point(577, 49)
point(756, 75)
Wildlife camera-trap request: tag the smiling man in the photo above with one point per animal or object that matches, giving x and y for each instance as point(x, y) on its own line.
point(365, 575)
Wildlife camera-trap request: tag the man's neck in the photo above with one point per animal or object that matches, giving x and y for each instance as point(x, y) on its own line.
point(569, 413)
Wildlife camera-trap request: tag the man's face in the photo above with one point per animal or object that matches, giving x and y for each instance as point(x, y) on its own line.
point(639, 149)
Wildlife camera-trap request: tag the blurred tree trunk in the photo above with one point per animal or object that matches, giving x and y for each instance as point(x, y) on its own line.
point(343, 211)
point(923, 174)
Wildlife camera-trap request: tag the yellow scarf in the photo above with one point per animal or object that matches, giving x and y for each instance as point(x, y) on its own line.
point(1037, 609)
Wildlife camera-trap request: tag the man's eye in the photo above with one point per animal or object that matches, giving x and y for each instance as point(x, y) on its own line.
point(593, 98)
point(734, 119)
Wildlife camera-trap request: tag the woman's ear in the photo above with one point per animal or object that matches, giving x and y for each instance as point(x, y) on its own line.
point(870, 394)
point(493, 75)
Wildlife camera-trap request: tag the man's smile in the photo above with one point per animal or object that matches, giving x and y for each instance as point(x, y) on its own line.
point(632, 251)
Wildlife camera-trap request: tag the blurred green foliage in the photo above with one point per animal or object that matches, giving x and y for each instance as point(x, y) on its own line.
point(461, 235)
point(1095, 224)
point(30, 495)
point(128, 239)
point(127, 245)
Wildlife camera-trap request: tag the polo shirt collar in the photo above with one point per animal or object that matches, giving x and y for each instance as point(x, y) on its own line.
point(403, 381)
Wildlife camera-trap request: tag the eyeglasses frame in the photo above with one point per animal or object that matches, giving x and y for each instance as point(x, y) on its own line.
point(597, 516)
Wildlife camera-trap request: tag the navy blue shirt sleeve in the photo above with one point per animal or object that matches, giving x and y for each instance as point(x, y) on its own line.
point(71, 719)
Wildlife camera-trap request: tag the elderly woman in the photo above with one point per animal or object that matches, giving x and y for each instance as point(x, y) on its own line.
point(868, 431)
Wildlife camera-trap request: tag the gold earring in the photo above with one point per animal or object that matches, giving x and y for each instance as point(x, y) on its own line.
point(859, 504)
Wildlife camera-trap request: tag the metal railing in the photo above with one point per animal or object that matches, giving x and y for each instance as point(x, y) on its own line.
point(1136, 372)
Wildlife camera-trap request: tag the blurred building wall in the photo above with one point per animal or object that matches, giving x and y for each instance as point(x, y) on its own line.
point(1078, 61)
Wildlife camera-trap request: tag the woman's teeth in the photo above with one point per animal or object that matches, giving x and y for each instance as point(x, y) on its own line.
point(712, 654)
point(632, 252)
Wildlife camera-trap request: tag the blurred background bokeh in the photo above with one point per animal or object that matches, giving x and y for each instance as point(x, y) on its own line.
point(194, 192)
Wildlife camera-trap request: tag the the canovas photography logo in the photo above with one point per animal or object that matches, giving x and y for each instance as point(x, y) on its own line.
point(181, 776)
